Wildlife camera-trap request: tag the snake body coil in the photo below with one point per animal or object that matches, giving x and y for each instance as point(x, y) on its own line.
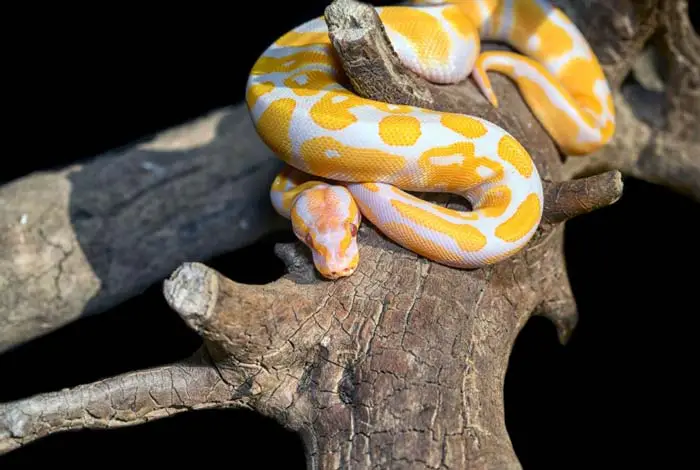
point(349, 157)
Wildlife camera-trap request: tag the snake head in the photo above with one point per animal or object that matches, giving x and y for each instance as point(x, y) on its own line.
point(326, 219)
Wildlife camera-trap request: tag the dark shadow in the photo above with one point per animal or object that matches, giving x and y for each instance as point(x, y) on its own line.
point(140, 333)
point(694, 14)
point(648, 101)
point(254, 264)
point(616, 394)
point(195, 439)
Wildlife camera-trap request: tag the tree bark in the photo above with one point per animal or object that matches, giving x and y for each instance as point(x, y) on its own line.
point(79, 241)
point(402, 364)
point(125, 400)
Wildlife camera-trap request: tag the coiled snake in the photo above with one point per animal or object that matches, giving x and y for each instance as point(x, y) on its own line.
point(348, 157)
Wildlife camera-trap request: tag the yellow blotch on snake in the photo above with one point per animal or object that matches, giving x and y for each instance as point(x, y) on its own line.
point(496, 200)
point(467, 237)
point(579, 76)
point(309, 83)
point(289, 63)
point(461, 24)
point(464, 125)
point(273, 126)
point(423, 30)
point(258, 90)
point(332, 111)
point(530, 19)
point(514, 153)
point(399, 130)
point(526, 216)
point(362, 164)
point(454, 167)
point(562, 127)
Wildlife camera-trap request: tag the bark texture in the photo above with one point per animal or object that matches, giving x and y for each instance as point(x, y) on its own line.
point(79, 241)
point(400, 365)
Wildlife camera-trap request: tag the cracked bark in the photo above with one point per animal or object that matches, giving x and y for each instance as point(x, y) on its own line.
point(125, 400)
point(400, 365)
point(79, 241)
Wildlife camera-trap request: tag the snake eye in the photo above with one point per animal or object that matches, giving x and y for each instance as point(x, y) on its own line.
point(353, 229)
point(309, 240)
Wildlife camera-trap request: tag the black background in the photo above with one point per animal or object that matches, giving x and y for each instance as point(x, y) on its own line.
point(84, 81)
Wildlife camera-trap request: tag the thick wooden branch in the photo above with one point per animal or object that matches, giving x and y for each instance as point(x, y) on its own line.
point(79, 241)
point(401, 364)
point(125, 400)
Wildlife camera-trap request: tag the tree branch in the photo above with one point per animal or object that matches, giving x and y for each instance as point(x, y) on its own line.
point(79, 241)
point(567, 199)
point(401, 364)
point(125, 400)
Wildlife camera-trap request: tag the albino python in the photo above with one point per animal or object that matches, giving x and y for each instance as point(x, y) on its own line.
point(348, 157)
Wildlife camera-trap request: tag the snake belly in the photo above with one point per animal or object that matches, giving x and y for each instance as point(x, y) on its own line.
point(349, 157)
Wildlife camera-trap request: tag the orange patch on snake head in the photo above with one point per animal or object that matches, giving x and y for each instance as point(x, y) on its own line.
point(326, 219)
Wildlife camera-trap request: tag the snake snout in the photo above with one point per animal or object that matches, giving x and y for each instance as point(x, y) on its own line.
point(343, 272)
point(337, 267)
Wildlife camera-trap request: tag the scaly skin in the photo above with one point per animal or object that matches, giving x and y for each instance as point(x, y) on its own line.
point(349, 157)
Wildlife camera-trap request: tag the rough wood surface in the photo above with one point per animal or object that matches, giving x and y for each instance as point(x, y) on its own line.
point(79, 241)
point(402, 364)
point(62, 246)
point(125, 400)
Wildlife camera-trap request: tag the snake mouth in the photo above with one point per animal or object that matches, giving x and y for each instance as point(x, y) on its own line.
point(338, 273)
